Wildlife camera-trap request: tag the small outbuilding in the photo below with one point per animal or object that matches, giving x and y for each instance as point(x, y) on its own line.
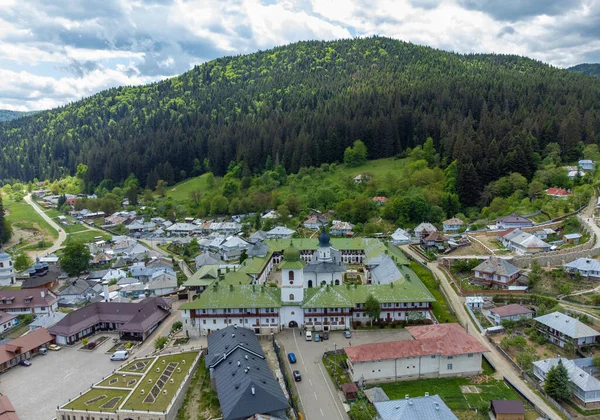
point(508, 409)
point(350, 390)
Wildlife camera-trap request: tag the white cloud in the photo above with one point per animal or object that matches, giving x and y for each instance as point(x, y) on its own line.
point(71, 50)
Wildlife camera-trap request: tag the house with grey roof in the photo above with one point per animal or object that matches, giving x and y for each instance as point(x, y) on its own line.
point(453, 225)
point(587, 268)
point(79, 292)
point(496, 272)
point(258, 236)
point(424, 229)
point(233, 247)
point(430, 407)
point(242, 377)
point(561, 329)
point(46, 321)
point(513, 221)
point(586, 165)
point(382, 270)
point(206, 258)
point(280, 232)
point(581, 379)
point(400, 237)
point(340, 228)
point(523, 242)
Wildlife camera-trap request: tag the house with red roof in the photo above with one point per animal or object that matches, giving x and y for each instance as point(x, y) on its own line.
point(380, 200)
point(559, 193)
point(440, 350)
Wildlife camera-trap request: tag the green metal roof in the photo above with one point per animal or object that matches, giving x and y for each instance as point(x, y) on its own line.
point(305, 244)
point(347, 296)
point(254, 265)
point(397, 255)
point(235, 296)
point(203, 277)
point(291, 265)
point(236, 277)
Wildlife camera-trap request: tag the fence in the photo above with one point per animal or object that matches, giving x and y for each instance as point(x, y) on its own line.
point(286, 379)
point(548, 397)
point(474, 318)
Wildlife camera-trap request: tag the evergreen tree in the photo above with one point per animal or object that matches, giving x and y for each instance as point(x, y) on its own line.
point(5, 231)
point(557, 382)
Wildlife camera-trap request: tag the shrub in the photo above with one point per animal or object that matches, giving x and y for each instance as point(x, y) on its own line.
point(176, 326)
point(128, 345)
point(91, 345)
point(160, 343)
point(84, 341)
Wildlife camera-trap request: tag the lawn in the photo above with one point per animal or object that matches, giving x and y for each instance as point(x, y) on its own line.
point(136, 400)
point(131, 367)
point(333, 363)
point(53, 213)
point(92, 394)
point(121, 380)
point(441, 310)
point(88, 236)
point(22, 216)
point(449, 389)
point(181, 191)
point(74, 228)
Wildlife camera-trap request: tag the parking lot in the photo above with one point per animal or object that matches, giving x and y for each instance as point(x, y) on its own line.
point(319, 397)
point(51, 380)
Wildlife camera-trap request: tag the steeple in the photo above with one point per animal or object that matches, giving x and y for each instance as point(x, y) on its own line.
point(324, 238)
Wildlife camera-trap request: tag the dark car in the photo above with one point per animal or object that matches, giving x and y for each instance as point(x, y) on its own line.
point(25, 362)
point(297, 376)
point(292, 357)
point(347, 334)
point(325, 336)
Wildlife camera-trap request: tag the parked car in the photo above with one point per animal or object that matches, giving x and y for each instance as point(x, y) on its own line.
point(120, 355)
point(54, 347)
point(308, 336)
point(325, 336)
point(317, 338)
point(43, 350)
point(292, 357)
point(25, 362)
point(297, 376)
point(347, 334)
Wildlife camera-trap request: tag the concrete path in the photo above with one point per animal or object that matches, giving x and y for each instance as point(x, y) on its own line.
point(62, 235)
point(503, 367)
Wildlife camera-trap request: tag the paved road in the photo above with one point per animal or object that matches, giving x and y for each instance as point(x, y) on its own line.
point(319, 396)
point(153, 244)
point(62, 236)
point(503, 367)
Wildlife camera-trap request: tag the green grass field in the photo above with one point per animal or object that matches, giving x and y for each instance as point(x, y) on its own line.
point(87, 236)
point(92, 394)
point(181, 191)
point(441, 310)
point(121, 380)
point(22, 216)
point(53, 213)
point(74, 228)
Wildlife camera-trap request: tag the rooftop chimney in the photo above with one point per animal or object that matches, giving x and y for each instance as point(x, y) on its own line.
point(105, 290)
point(427, 394)
point(406, 397)
point(42, 293)
point(437, 406)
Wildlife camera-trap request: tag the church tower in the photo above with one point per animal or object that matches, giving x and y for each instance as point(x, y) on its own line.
point(292, 276)
point(324, 250)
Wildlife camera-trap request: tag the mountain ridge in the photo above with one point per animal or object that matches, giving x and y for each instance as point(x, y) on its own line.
point(8, 115)
point(303, 104)
point(589, 69)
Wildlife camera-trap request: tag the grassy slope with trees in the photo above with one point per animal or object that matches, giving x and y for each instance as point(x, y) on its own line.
point(587, 69)
point(303, 104)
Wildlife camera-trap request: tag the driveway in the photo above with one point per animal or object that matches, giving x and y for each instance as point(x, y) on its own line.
point(319, 397)
point(52, 379)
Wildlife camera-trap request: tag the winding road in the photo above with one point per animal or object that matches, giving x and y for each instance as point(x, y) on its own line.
point(503, 367)
point(62, 235)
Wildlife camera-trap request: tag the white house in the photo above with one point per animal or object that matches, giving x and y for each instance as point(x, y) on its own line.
point(233, 247)
point(586, 267)
point(581, 380)
point(7, 271)
point(280, 232)
point(340, 228)
point(496, 272)
point(474, 302)
point(561, 329)
point(513, 312)
point(586, 165)
point(453, 225)
point(7, 321)
point(424, 229)
point(440, 350)
point(400, 237)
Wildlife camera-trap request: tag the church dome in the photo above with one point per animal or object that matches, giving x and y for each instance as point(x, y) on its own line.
point(324, 238)
point(4, 255)
point(291, 254)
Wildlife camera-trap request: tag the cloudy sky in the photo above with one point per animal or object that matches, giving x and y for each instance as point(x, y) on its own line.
point(56, 51)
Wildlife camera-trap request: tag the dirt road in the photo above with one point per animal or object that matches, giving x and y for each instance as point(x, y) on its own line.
point(62, 236)
point(503, 367)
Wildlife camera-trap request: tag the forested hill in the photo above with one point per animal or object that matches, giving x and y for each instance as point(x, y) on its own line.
point(6, 115)
point(588, 69)
point(303, 104)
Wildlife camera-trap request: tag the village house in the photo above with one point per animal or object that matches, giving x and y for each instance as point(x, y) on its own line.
point(380, 200)
point(314, 222)
point(582, 382)
point(522, 242)
point(513, 221)
point(424, 229)
point(440, 350)
point(400, 237)
point(562, 330)
point(280, 232)
point(25, 301)
point(474, 302)
point(586, 165)
point(339, 228)
point(434, 240)
point(495, 272)
point(513, 312)
point(233, 247)
point(361, 178)
point(544, 233)
point(587, 268)
point(427, 407)
point(7, 321)
point(453, 225)
point(559, 193)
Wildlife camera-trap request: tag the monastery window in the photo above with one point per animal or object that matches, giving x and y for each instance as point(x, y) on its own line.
point(337, 282)
point(241, 321)
point(1, 265)
point(470, 355)
point(204, 321)
point(291, 296)
point(449, 366)
point(214, 321)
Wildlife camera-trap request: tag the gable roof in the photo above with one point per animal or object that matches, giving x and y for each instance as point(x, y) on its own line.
point(558, 192)
point(442, 339)
point(206, 258)
point(577, 375)
point(244, 382)
point(24, 344)
point(429, 407)
point(16, 298)
point(135, 317)
point(7, 411)
point(40, 281)
point(514, 218)
point(499, 266)
point(78, 287)
point(236, 296)
point(511, 310)
point(453, 222)
point(425, 227)
point(508, 407)
point(584, 264)
point(571, 327)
